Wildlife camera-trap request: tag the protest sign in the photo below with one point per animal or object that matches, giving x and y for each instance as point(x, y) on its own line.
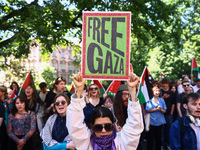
point(106, 45)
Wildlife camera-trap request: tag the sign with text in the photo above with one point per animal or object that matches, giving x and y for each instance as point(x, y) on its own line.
point(106, 45)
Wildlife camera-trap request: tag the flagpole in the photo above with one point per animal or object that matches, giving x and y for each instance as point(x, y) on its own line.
point(141, 78)
point(192, 64)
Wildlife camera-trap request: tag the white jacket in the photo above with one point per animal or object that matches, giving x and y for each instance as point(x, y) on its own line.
point(126, 139)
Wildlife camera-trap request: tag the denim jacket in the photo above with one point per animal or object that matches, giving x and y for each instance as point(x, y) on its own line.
point(189, 140)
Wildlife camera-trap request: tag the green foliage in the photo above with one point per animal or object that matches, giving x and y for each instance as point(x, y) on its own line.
point(48, 76)
point(48, 23)
point(165, 33)
point(16, 72)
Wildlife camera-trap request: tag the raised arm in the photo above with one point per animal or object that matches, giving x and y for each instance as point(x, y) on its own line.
point(78, 131)
point(132, 83)
point(130, 133)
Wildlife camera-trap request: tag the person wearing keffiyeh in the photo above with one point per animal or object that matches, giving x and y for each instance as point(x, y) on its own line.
point(55, 133)
point(103, 134)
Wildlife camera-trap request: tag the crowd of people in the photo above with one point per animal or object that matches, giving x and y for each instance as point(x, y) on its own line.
point(53, 119)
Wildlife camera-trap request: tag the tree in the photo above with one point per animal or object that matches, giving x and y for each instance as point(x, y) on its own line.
point(48, 76)
point(16, 72)
point(49, 21)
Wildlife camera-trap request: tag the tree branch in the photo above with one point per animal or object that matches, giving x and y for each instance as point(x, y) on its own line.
point(16, 12)
point(80, 13)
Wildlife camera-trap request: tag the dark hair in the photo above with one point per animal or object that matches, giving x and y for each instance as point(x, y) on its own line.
point(165, 81)
point(183, 76)
point(197, 80)
point(42, 85)
point(58, 95)
point(101, 112)
point(59, 79)
point(85, 87)
point(108, 96)
point(22, 99)
point(154, 82)
point(14, 83)
point(191, 97)
point(185, 81)
point(33, 98)
point(118, 106)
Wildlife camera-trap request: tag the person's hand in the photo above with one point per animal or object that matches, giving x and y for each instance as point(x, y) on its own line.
point(79, 82)
point(191, 75)
point(133, 78)
point(9, 101)
point(70, 146)
point(158, 108)
point(85, 95)
point(118, 127)
point(165, 96)
point(20, 144)
point(104, 95)
point(132, 83)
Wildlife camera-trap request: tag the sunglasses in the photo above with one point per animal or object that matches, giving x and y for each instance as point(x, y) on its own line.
point(126, 94)
point(186, 85)
point(108, 102)
point(91, 89)
point(98, 127)
point(62, 103)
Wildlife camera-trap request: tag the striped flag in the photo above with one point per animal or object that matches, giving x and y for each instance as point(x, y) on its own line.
point(195, 68)
point(101, 88)
point(194, 65)
point(13, 94)
point(112, 89)
point(144, 93)
point(28, 81)
point(72, 91)
point(161, 75)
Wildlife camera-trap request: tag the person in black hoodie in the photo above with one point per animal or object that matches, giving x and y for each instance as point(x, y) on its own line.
point(58, 87)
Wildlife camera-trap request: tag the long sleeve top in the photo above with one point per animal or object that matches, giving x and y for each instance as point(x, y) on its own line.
point(46, 135)
point(126, 139)
point(21, 124)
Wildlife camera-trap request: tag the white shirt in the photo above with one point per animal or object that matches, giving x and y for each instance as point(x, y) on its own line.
point(195, 88)
point(180, 89)
point(126, 139)
point(197, 132)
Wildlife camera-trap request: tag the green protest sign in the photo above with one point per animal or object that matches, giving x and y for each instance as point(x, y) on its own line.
point(106, 45)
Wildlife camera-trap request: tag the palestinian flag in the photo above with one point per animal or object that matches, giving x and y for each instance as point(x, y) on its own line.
point(195, 68)
point(72, 91)
point(28, 81)
point(101, 88)
point(144, 93)
point(194, 65)
point(112, 89)
point(13, 95)
point(161, 75)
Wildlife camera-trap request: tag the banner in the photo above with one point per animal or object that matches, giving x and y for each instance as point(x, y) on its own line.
point(106, 45)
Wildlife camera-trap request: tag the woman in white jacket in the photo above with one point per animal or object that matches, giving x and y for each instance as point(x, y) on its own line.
point(104, 135)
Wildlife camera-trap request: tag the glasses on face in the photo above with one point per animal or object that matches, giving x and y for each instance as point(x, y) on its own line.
point(91, 89)
point(126, 94)
point(62, 103)
point(108, 102)
point(186, 85)
point(98, 127)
